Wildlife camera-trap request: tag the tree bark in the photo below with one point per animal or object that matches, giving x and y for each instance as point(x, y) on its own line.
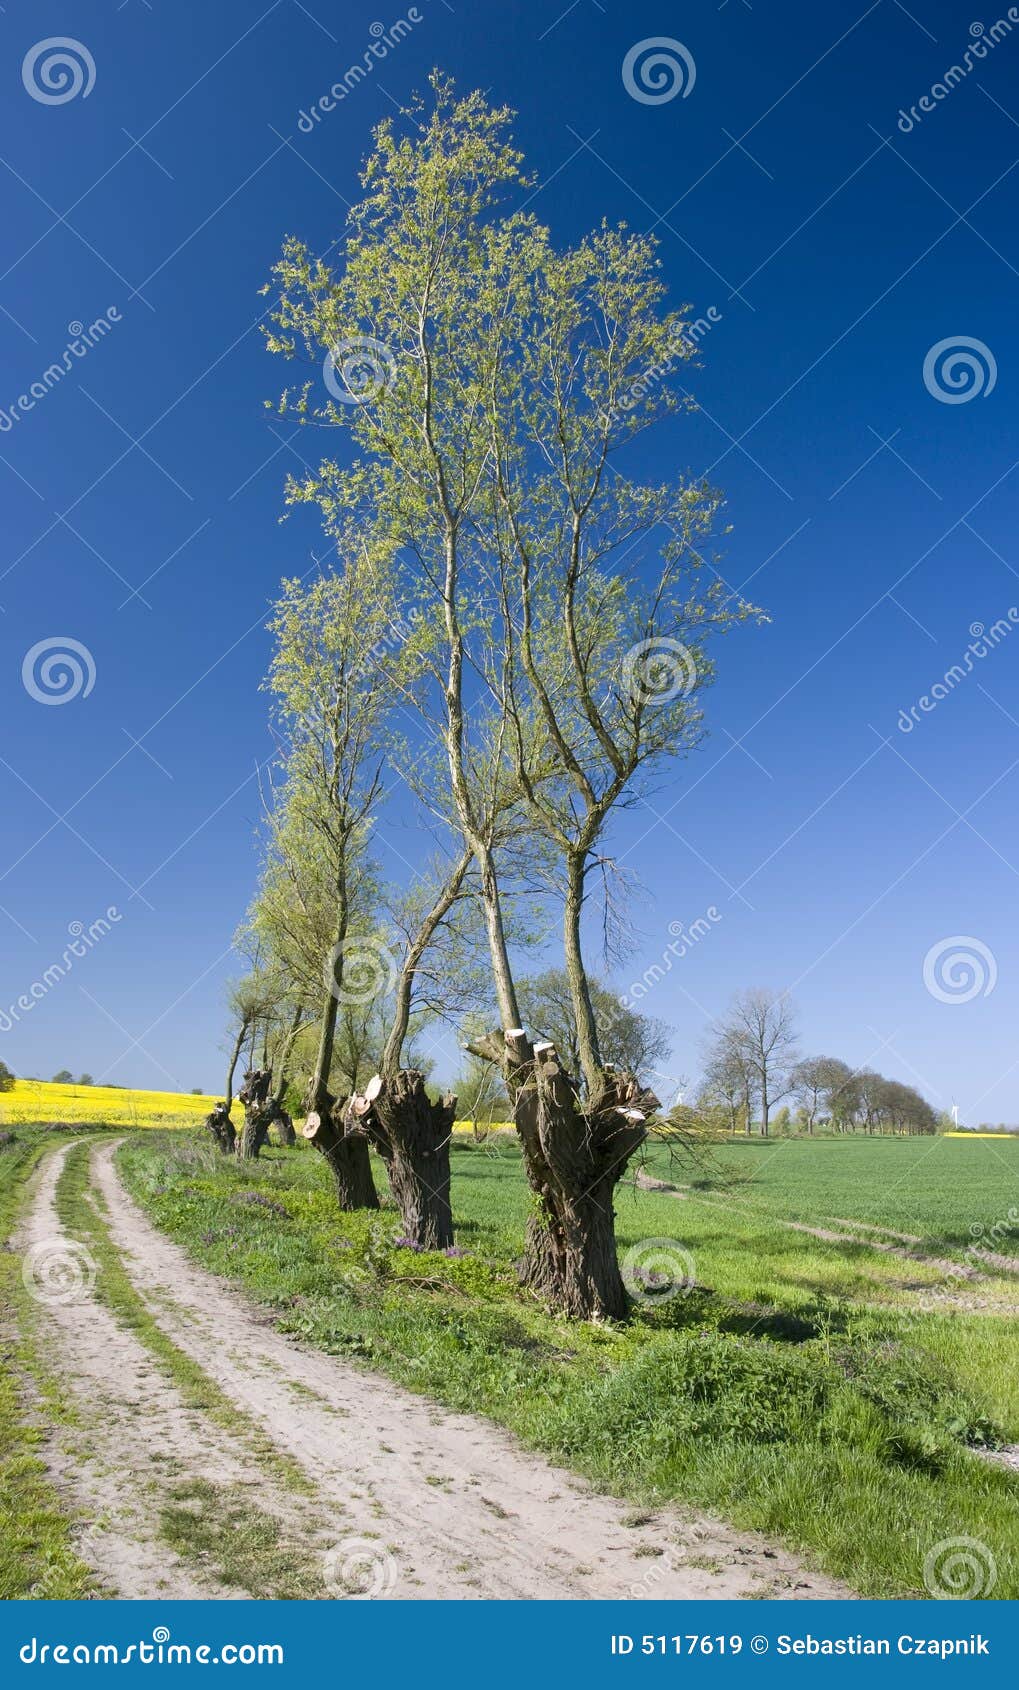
point(345, 1148)
point(412, 1135)
point(576, 973)
point(234, 1058)
point(255, 1131)
point(574, 1155)
point(222, 1128)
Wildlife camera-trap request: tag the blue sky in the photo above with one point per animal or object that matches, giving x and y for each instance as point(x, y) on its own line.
point(874, 520)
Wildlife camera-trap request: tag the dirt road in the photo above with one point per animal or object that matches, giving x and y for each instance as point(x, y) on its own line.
point(371, 1490)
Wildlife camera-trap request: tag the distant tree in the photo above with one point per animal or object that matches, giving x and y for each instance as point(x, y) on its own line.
point(480, 1094)
point(759, 1025)
point(196, 1091)
point(636, 1043)
point(85, 1080)
point(816, 1083)
point(63, 1078)
point(6, 1078)
point(729, 1080)
point(781, 1119)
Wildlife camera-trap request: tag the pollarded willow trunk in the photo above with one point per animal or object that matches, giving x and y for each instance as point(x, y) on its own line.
point(255, 1131)
point(575, 1153)
point(412, 1135)
point(222, 1128)
point(283, 1124)
point(340, 1138)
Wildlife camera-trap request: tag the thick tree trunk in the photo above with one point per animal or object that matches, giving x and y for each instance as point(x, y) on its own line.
point(222, 1128)
point(283, 1124)
point(574, 1156)
point(255, 1131)
point(345, 1148)
point(412, 1135)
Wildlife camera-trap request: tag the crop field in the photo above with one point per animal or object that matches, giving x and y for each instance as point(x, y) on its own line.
point(948, 1193)
point(114, 1106)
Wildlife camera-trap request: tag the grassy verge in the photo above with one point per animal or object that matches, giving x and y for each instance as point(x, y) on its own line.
point(37, 1556)
point(778, 1392)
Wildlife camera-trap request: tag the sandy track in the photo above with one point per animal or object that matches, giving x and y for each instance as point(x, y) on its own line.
point(136, 1436)
point(444, 1505)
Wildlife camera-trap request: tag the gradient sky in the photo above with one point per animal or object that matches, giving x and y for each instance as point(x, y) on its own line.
point(874, 520)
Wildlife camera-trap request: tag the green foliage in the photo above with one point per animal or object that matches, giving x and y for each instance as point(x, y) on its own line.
point(6, 1078)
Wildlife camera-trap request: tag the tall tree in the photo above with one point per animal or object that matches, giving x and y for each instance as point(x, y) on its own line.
point(329, 679)
point(489, 379)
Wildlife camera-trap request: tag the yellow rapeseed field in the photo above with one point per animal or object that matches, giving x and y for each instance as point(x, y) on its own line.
point(41, 1100)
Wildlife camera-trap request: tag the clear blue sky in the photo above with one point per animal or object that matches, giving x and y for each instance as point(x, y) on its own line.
point(873, 520)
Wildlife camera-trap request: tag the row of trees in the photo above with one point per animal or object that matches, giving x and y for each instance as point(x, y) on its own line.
point(515, 636)
point(753, 1064)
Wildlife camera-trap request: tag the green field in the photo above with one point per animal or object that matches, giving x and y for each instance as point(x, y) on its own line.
point(830, 1394)
point(951, 1192)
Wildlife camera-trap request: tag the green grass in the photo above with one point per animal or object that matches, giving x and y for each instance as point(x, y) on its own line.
point(37, 1555)
point(220, 1531)
point(799, 1388)
point(950, 1192)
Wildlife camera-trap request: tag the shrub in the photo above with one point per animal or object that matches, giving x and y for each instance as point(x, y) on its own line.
point(6, 1078)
